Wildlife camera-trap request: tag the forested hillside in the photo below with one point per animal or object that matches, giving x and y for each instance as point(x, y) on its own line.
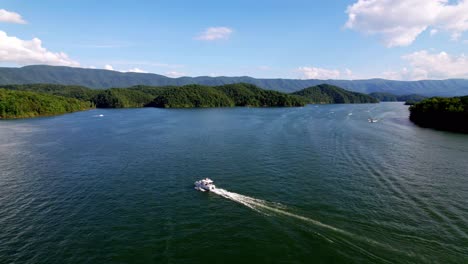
point(47, 99)
point(389, 97)
point(21, 104)
point(329, 94)
point(449, 114)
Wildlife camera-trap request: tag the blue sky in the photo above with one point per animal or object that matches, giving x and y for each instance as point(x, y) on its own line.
point(351, 39)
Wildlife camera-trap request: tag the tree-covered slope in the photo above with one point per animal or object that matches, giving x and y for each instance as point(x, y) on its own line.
point(449, 114)
point(21, 104)
point(244, 94)
point(222, 96)
point(385, 97)
point(137, 96)
point(102, 79)
point(141, 96)
point(72, 91)
point(329, 94)
point(389, 97)
point(191, 96)
point(121, 98)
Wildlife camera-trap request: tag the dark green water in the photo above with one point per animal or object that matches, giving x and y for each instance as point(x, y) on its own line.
point(300, 185)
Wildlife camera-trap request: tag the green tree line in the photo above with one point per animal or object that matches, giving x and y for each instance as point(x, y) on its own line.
point(449, 114)
point(409, 99)
point(241, 94)
point(329, 94)
point(169, 96)
point(229, 95)
point(21, 104)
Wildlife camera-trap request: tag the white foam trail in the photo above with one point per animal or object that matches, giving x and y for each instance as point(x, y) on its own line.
point(258, 204)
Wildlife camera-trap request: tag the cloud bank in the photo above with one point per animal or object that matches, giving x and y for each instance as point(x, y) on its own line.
point(23, 52)
point(175, 74)
point(400, 22)
point(136, 70)
point(424, 65)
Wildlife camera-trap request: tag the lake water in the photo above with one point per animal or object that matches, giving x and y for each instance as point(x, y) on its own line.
point(318, 184)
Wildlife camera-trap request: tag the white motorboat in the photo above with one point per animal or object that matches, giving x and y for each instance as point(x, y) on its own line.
point(205, 185)
point(371, 120)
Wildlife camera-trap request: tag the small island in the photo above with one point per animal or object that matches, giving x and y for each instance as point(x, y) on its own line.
point(449, 114)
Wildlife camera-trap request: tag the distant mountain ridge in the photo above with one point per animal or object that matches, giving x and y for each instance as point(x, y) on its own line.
point(101, 79)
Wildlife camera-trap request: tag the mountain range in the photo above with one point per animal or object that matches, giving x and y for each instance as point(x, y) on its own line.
point(102, 79)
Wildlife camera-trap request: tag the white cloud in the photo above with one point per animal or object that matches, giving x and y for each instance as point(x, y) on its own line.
point(175, 74)
point(137, 70)
point(11, 17)
point(108, 67)
point(23, 52)
point(433, 32)
point(214, 33)
point(400, 22)
point(318, 73)
point(441, 65)
point(424, 65)
point(111, 68)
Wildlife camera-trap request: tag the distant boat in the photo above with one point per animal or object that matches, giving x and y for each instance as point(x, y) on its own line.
point(350, 114)
point(372, 120)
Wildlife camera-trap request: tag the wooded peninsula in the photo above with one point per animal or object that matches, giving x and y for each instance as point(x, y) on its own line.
point(450, 114)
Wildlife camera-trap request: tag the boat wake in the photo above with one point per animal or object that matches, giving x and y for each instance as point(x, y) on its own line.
point(267, 208)
point(271, 208)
